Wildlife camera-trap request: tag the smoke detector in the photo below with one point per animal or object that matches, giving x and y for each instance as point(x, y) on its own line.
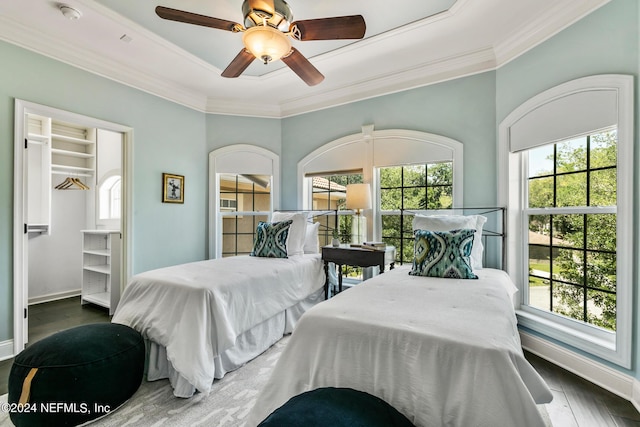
point(69, 12)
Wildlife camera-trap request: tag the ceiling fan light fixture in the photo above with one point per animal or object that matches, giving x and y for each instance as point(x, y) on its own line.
point(266, 43)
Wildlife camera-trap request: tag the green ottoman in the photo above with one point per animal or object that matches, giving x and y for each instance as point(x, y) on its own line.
point(335, 407)
point(76, 375)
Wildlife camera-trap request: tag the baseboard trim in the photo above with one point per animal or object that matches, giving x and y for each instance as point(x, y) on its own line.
point(55, 297)
point(6, 350)
point(603, 376)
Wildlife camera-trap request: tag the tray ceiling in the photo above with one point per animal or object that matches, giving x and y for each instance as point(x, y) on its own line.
point(408, 43)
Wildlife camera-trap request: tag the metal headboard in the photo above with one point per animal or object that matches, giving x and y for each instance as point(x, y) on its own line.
point(494, 232)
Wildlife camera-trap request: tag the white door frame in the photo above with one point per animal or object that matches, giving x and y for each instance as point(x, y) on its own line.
point(20, 239)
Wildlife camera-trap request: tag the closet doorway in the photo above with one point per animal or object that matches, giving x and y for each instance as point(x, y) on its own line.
point(72, 210)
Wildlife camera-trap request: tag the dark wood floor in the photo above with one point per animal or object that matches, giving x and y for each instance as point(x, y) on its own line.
point(576, 402)
point(48, 318)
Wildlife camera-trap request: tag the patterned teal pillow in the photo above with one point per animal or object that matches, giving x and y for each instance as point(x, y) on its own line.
point(443, 254)
point(271, 239)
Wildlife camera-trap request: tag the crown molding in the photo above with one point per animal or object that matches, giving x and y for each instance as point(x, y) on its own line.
point(39, 42)
point(425, 74)
point(550, 23)
point(231, 107)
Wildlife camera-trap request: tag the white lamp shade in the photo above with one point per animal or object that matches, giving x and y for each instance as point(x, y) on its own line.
point(358, 196)
point(266, 43)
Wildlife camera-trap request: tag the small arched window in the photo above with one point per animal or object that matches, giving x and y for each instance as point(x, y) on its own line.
point(110, 198)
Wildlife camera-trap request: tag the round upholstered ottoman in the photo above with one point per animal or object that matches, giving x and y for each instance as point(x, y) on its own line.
point(76, 375)
point(335, 407)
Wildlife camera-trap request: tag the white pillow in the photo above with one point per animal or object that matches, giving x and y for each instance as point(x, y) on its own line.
point(454, 222)
point(311, 240)
point(297, 231)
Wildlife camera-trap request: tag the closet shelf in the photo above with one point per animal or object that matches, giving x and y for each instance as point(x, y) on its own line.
point(72, 153)
point(37, 137)
point(103, 268)
point(37, 228)
point(70, 168)
point(71, 139)
point(101, 252)
point(102, 299)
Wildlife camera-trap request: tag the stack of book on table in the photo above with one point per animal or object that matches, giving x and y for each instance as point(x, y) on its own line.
point(374, 246)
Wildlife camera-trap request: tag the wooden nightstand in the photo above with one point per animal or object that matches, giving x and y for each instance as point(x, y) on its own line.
point(356, 257)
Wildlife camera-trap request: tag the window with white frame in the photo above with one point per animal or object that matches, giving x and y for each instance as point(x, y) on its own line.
point(411, 187)
point(565, 175)
point(409, 170)
point(245, 200)
point(109, 200)
point(571, 216)
point(244, 189)
point(329, 193)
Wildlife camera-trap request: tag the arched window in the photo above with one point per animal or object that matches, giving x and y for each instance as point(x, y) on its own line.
point(244, 183)
point(407, 170)
point(565, 174)
point(109, 199)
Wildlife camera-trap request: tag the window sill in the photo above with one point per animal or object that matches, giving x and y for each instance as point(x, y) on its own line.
point(589, 339)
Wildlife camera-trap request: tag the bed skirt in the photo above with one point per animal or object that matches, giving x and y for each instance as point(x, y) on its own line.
point(248, 346)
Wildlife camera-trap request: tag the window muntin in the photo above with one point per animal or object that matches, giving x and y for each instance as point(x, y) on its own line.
point(247, 201)
point(411, 187)
point(571, 218)
point(329, 193)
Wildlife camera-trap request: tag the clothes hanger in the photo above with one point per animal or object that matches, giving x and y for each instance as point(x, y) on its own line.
point(64, 184)
point(80, 183)
point(71, 183)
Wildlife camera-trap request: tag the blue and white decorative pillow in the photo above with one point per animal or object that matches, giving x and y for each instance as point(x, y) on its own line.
point(271, 239)
point(443, 254)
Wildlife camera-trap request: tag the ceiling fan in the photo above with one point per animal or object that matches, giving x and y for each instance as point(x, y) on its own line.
point(266, 31)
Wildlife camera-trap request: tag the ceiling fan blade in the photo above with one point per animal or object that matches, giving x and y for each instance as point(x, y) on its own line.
point(339, 27)
point(302, 67)
point(239, 64)
point(196, 19)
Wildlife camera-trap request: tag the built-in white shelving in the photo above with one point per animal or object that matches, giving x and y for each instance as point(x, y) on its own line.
point(59, 149)
point(101, 268)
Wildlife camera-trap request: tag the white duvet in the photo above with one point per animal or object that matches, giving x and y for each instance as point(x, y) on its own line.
point(444, 352)
point(197, 310)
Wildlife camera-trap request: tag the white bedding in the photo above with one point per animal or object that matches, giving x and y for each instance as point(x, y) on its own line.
point(444, 352)
point(197, 310)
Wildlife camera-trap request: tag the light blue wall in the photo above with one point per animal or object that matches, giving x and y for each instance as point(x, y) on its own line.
point(462, 109)
point(167, 138)
point(603, 42)
point(607, 41)
point(228, 130)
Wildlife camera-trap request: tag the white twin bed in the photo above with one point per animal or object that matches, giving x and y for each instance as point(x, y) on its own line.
point(443, 352)
point(206, 318)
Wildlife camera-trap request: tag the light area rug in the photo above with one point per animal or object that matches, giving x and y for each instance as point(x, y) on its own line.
point(228, 405)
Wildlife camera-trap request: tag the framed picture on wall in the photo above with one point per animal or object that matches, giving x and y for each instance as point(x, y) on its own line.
point(172, 188)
